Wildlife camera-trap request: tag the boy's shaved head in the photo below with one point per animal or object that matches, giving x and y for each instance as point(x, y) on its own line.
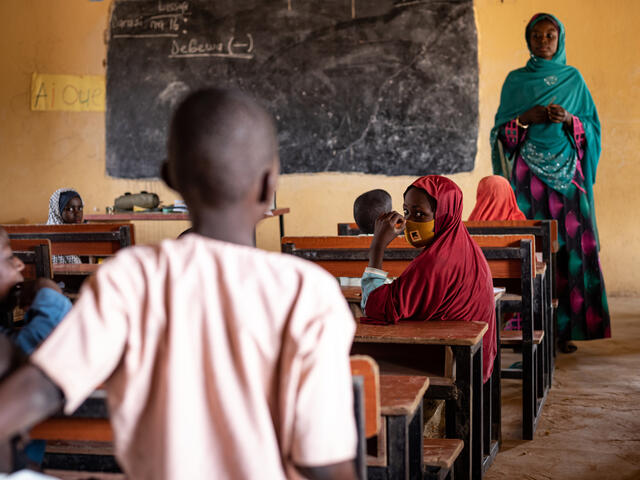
point(220, 143)
point(369, 206)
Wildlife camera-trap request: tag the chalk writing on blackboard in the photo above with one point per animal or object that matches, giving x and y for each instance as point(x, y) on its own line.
point(195, 47)
point(167, 20)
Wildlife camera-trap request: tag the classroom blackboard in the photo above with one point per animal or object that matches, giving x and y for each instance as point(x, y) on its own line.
point(376, 86)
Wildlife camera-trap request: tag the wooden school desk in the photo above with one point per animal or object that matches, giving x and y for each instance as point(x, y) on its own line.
point(492, 435)
point(400, 441)
point(464, 420)
point(158, 216)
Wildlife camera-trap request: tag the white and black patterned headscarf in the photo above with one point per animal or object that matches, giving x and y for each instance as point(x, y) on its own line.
point(55, 218)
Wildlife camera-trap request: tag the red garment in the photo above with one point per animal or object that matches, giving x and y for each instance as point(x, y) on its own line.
point(495, 200)
point(449, 280)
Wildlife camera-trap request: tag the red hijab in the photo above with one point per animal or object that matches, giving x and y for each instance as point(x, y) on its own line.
point(495, 201)
point(449, 280)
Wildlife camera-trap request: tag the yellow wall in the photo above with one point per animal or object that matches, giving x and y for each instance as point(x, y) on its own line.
point(43, 151)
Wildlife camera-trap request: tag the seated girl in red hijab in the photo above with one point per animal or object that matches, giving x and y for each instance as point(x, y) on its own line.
point(495, 200)
point(449, 280)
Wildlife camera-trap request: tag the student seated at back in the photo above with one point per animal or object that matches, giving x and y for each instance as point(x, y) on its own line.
point(47, 307)
point(495, 200)
point(219, 360)
point(65, 206)
point(449, 280)
point(47, 304)
point(368, 207)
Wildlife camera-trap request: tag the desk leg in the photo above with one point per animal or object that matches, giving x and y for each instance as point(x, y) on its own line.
point(487, 405)
point(540, 324)
point(477, 452)
point(549, 336)
point(496, 406)
point(397, 448)
point(416, 427)
point(281, 221)
point(528, 390)
point(461, 417)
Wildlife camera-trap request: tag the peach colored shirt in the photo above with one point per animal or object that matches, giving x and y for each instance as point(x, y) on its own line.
point(220, 361)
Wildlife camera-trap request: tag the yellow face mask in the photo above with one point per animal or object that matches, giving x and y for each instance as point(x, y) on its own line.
point(419, 234)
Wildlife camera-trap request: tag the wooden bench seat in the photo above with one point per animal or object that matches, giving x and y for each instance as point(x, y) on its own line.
point(441, 452)
point(400, 394)
point(74, 429)
point(514, 337)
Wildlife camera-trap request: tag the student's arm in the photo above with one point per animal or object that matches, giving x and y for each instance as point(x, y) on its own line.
point(388, 226)
point(372, 278)
point(45, 313)
point(87, 346)
point(27, 397)
point(9, 355)
point(317, 408)
point(338, 471)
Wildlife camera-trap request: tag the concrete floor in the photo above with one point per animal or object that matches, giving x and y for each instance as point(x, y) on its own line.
point(590, 425)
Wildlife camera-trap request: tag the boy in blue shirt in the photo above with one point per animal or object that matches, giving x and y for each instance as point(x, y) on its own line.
point(48, 307)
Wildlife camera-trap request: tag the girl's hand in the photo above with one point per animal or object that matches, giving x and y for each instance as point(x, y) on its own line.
point(388, 226)
point(557, 114)
point(537, 114)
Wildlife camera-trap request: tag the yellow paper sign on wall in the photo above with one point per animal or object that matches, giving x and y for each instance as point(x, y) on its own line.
point(73, 93)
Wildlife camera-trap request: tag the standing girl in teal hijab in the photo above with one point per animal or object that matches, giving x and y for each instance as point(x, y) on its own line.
point(546, 141)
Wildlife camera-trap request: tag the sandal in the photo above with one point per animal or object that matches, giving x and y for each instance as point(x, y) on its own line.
point(567, 346)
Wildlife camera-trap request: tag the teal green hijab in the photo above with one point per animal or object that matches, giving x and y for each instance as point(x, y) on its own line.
point(549, 150)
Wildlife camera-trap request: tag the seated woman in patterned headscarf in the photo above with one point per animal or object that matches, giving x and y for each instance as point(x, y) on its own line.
point(65, 206)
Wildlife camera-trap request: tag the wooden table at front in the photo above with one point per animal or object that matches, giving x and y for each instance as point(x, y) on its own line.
point(465, 340)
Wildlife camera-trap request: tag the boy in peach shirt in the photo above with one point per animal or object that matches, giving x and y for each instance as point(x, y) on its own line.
point(220, 360)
